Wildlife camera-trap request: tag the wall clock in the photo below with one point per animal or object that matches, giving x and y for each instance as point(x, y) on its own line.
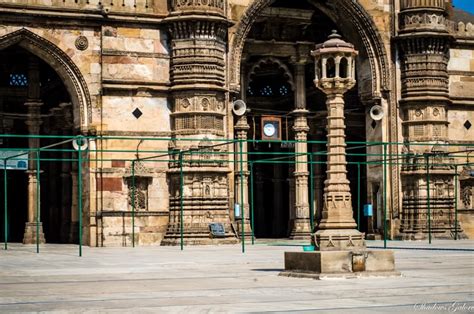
point(271, 128)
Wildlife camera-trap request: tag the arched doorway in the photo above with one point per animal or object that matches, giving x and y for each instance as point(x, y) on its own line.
point(281, 36)
point(35, 100)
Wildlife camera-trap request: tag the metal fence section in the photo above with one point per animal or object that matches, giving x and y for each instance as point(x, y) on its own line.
point(86, 150)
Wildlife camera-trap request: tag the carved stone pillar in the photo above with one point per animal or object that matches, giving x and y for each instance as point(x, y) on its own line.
point(242, 183)
point(340, 246)
point(33, 123)
point(302, 226)
point(337, 229)
point(198, 117)
point(424, 42)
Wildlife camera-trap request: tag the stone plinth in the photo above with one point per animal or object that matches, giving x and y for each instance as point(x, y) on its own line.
point(29, 236)
point(339, 239)
point(340, 264)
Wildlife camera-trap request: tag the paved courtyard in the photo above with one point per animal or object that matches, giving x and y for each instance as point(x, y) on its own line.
point(221, 279)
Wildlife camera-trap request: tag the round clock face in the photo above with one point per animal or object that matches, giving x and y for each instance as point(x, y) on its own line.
point(269, 129)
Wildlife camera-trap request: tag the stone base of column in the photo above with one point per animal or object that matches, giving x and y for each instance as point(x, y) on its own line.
point(247, 229)
point(30, 233)
point(339, 239)
point(74, 232)
point(301, 229)
point(340, 264)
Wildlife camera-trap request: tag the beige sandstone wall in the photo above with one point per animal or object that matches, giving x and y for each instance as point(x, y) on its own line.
point(135, 76)
point(461, 115)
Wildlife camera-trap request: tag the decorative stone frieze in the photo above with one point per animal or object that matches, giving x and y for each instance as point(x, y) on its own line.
point(208, 6)
point(417, 4)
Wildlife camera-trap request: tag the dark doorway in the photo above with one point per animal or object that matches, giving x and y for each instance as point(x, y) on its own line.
point(18, 77)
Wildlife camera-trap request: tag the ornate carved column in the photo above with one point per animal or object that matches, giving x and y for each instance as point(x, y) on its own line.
point(198, 32)
point(424, 42)
point(302, 226)
point(340, 246)
point(334, 76)
point(242, 183)
point(33, 123)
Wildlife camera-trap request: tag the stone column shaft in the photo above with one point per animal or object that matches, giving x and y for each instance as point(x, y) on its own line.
point(337, 210)
point(302, 226)
point(33, 123)
point(337, 229)
point(242, 182)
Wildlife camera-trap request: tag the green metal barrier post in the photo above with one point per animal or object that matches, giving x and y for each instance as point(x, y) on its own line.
point(428, 203)
point(181, 199)
point(79, 188)
point(5, 202)
point(385, 195)
point(311, 192)
point(38, 182)
point(251, 203)
point(241, 162)
point(455, 202)
point(358, 196)
point(133, 203)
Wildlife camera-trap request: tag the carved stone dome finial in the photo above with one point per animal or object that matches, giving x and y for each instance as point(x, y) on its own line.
point(335, 41)
point(334, 34)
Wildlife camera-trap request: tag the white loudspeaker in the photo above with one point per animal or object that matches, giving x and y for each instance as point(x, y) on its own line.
point(239, 107)
point(377, 113)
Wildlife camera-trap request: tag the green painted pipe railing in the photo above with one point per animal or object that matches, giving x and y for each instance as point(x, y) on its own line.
point(385, 159)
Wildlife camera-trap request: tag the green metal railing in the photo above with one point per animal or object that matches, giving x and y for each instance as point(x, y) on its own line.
point(234, 158)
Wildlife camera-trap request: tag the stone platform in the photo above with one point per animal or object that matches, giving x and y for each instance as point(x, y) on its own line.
point(221, 279)
point(340, 264)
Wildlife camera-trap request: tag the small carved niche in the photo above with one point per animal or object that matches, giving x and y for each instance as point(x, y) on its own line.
point(138, 187)
point(138, 195)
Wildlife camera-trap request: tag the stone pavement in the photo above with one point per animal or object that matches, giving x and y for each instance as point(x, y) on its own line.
point(220, 279)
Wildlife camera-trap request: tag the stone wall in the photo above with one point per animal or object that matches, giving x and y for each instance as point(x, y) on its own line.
point(461, 117)
point(121, 51)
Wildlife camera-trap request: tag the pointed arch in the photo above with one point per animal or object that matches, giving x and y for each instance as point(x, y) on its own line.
point(64, 67)
point(347, 10)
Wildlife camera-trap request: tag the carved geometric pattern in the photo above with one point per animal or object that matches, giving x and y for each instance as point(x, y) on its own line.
point(81, 43)
point(137, 113)
point(466, 196)
point(19, 79)
point(139, 194)
point(208, 5)
point(467, 124)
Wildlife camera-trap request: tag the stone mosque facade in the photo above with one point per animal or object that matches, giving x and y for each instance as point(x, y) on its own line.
point(143, 76)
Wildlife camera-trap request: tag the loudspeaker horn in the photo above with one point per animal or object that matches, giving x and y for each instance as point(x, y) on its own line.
point(377, 113)
point(239, 107)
